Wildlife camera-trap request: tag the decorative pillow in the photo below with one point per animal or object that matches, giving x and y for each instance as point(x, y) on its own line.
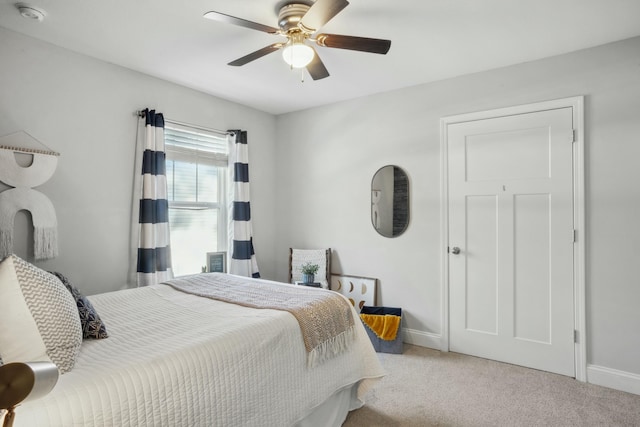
point(38, 317)
point(92, 325)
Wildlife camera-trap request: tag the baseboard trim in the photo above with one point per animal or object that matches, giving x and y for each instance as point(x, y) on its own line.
point(612, 378)
point(598, 375)
point(422, 339)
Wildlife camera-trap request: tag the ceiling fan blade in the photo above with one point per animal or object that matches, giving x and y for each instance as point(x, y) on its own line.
point(228, 19)
point(362, 44)
point(320, 13)
point(255, 55)
point(316, 68)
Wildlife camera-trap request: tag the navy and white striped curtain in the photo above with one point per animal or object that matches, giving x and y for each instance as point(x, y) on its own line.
point(243, 258)
point(153, 254)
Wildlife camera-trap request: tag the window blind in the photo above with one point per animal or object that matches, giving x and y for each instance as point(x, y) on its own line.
point(186, 144)
point(193, 161)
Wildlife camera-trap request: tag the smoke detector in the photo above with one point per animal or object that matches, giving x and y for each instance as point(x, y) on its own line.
point(31, 12)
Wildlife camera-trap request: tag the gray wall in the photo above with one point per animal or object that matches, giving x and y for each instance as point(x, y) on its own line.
point(327, 156)
point(84, 109)
point(321, 162)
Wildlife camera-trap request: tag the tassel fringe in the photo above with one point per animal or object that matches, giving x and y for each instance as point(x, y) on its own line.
point(43, 216)
point(6, 243)
point(330, 348)
point(45, 242)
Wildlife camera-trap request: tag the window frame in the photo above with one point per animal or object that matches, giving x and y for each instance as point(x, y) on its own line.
point(219, 160)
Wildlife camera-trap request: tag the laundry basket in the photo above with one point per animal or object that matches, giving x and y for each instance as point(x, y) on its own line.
point(380, 323)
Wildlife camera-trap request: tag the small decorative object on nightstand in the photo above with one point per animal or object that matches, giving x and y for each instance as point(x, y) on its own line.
point(311, 284)
point(308, 272)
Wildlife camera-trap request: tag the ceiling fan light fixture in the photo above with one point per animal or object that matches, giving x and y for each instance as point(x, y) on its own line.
point(299, 21)
point(297, 55)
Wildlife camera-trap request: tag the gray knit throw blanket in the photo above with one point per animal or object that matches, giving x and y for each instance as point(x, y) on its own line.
point(325, 335)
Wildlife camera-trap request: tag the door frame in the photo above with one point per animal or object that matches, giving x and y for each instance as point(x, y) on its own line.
point(579, 286)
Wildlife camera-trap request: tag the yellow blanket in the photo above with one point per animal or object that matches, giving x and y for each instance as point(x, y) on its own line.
point(384, 326)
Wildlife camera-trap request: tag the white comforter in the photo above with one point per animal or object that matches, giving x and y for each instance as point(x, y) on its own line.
point(175, 359)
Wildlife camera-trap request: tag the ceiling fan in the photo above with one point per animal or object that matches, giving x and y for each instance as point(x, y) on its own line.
point(299, 21)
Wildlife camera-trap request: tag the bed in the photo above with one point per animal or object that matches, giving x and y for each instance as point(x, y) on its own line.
point(178, 359)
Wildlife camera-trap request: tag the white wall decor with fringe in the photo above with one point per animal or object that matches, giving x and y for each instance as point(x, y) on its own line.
point(23, 197)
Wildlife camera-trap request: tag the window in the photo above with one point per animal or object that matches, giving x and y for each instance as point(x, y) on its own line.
point(197, 190)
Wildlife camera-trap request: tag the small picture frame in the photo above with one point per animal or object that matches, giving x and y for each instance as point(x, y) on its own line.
point(216, 262)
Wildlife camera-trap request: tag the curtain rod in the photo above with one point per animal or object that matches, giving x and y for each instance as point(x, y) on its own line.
point(141, 114)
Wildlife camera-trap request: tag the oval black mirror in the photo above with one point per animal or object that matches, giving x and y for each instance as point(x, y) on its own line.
point(390, 201)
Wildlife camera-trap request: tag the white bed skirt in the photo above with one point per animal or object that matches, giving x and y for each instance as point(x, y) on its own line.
point(333, 411)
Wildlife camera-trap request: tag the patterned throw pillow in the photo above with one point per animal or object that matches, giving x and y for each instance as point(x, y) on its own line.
point(92, 325)
point(38, 317)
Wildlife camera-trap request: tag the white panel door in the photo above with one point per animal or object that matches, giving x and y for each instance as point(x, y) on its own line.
point(510, 183)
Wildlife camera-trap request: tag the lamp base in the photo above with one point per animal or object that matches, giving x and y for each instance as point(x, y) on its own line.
point(9, 417)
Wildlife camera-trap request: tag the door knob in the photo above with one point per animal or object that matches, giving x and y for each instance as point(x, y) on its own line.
point(455, 250)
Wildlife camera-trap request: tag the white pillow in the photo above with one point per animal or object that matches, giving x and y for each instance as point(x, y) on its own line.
point(38, 316)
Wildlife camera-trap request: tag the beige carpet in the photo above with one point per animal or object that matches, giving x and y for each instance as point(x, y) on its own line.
point(428, 388)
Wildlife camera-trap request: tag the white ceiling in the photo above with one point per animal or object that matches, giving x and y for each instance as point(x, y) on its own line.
point(431, 40)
